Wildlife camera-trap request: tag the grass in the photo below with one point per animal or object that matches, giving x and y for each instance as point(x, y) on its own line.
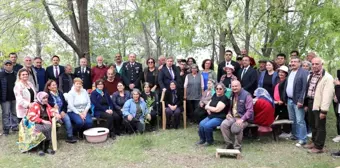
point(170, 148)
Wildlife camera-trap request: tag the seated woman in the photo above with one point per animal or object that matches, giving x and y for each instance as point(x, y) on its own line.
point(200, 113)
point(264, 110)
point(103, 107)
point(135, 111)
point(78, 107)
point(216, 109)
point(173, 106)
point(151, 98)
point(35, 128)
point(118, 99)
point(56, 99)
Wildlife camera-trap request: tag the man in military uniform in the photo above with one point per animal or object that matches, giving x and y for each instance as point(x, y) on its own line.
point(132, 73)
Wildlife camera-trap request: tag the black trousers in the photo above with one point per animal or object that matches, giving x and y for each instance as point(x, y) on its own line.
point(199, 114)
point(111, 119)
point(282, 112)
point(317, 125)
point(337, 115)
point(191, 107)
point(133, 126)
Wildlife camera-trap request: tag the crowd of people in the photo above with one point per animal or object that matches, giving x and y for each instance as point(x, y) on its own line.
point(127, 97)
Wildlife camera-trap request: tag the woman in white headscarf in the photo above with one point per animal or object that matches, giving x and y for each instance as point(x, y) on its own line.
point(264, 110)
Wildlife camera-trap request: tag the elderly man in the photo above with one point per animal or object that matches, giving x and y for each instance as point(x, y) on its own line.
point(310, 56)
point(40, 73)
point(32, 73)
point(53, 72)
point(111, 82)
point(132, 73)
point(319, 96)
point(84, 73)
point(98, 71)
point(161, 61)
point(168, 73)
point(228, 61)
point(262, 67)
point(295, 92)
point(16, 66)
point(7, 98)
point(238, 117)
point(119, 63)
point(66, 79)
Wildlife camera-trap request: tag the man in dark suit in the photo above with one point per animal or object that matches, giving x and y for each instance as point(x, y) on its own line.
point(84, 73)
point(132, 73)
point(248, 76)
point(53, 71)
point(167, 74)
point(228, 56)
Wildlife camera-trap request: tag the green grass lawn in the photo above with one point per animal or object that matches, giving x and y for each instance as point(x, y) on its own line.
point(170, 148)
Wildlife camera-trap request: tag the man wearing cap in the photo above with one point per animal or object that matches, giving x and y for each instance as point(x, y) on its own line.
point(53, 72)
point(262, 67)
point(319, 96)
point(239, 115)
point(228, 56)
point(33, 76)
point(7, 98)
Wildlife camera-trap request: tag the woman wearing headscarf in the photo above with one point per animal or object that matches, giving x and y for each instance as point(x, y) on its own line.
point(264, 110)
point(173, 105)
point(35, 128)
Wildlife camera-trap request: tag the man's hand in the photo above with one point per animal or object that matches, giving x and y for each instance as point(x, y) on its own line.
point(239, 122)
point(299, 105)
point(148, 117)
point(82, 116)
point(229, 116)
point(322, 116)
point(336, 81)
point(129, 117)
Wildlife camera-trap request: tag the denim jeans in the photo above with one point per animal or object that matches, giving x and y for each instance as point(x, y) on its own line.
point(206, 128)
point(80, 124)
point(297, 115)
point(68, 125)
point(9, 115)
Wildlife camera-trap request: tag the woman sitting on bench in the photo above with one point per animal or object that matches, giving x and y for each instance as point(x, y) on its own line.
point(217, 109)
point(118, 99)
point(173, 105)
point(135, 111)
point(263, 110)
point(103, 107)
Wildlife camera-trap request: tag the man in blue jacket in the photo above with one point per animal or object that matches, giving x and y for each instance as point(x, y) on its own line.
point(295, 94)
point(40, 73)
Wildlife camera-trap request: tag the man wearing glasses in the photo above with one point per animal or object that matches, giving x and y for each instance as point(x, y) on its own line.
point(228, 56)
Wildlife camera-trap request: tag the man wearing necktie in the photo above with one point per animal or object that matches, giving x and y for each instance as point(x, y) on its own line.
point(168, 73)
point(53, 72)
point(248, 76)
point(84, 73)
point(228, 61)
point(132, 73)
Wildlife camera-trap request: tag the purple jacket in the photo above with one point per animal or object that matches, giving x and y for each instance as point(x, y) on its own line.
point(244, 106)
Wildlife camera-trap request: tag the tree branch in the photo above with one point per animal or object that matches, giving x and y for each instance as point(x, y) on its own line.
point(57, 29)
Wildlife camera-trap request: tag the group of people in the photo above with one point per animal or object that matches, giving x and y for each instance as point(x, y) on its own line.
point(126, 96)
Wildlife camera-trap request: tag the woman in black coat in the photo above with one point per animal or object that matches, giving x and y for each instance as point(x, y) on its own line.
point(173, 105)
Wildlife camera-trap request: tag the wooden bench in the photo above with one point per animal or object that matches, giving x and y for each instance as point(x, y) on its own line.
point(275, 123)
point(234, 152)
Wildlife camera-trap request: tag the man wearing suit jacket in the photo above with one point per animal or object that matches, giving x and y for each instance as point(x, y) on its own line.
point(228, 56)
point(248, 76)
point(53, 72)
point(295, 95)
point(132, 73)
point(84, 73)
point(33, 76)
point(167, 74)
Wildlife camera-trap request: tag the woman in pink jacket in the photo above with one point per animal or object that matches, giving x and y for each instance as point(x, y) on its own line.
point(25, 94)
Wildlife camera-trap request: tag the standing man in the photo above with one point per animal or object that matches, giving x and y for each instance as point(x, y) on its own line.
point(262, 67)
point(294, 53)
point(248, 76)
point(228, 56)
point(280, 59)
point(310, 56)
point(161, 61)
point(66, 79)
point(119, 63)
point(320, 92)
point(7, 98)
point(98, 71)
point(53, 72)
point(84, 73)
point(238, 117)
point(295, 91)
point(13, 57)
point(244, 53)
point(168, 73)
point(40, 73)
point(132, 73)
point(32, 77)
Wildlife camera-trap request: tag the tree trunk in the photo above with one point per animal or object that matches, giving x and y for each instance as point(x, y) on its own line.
point(36, 31)
point(84, 28)
point(147, 45)
point(158, 37)
point(223, 34)
point(213, 47)
point(246, 25)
